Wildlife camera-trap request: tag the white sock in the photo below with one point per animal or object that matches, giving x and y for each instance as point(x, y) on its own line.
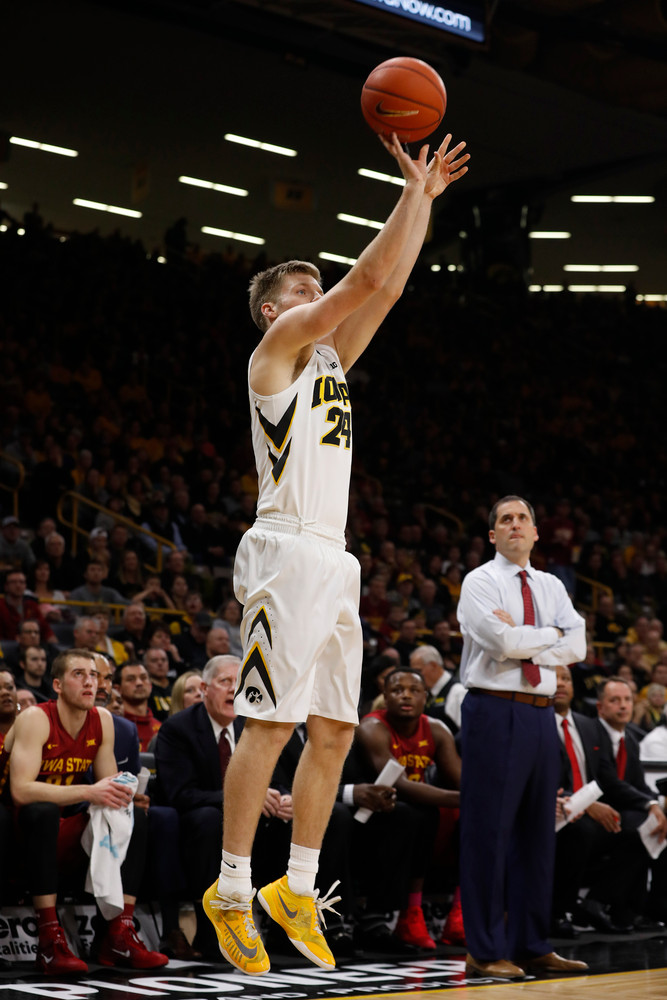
point(234, 875)
point(302, 869)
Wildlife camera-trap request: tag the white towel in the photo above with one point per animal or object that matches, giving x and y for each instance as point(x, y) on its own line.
point(106, 840)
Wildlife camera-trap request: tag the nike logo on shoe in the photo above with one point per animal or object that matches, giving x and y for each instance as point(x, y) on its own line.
point(47, 959)
point(290, 913)
point(248, 952)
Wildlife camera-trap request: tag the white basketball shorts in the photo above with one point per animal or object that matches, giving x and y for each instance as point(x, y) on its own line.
point(301, 630)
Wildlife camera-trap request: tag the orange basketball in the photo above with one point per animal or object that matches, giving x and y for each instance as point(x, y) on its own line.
point(405, 96)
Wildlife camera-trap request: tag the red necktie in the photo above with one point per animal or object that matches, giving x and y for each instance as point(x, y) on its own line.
point(577, 781)
point(225, 753)
point(531, 671)
point(621, 759)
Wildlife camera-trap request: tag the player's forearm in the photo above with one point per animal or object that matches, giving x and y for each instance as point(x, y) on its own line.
point(397, 279)
point(380, 258)
point(24, 794)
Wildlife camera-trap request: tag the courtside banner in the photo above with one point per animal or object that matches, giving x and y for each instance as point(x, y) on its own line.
point(467, 20)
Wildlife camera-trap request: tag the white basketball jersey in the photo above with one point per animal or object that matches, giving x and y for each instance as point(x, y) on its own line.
point(302, 438)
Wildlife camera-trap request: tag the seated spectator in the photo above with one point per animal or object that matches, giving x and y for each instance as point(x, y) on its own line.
point(621, 778)
point(588, 849)
point(178, 592)
point(403, 731)
point(374, 606)
point(156, 663)
point(32, 674)
point(105, 644)
point(65, 571)
point(647, 713)
point(187, 690)
point(191, 644)
point(25, 698)
point(175, 564)
point(407, 640)
point(93, 590)
point(129, 576)
point(15, 553)
point(51, 749)
point(153, 595)
point(160, 637)
point(160, 523)
point(194, 604)
point(445, 691)
point(134, 686)
point(229, 618)
point(42, 590)
point(192, 750)
point(86, 633)
point(97, 547)
point(29, 635)
point(17, 607)
point(135, 630)
point(218, 642)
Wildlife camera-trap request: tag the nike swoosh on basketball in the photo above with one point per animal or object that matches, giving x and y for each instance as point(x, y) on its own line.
point(248, 952)
point(394, 112)
point(290, 913)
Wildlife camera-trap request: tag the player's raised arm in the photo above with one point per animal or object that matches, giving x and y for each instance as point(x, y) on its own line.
point(353, 335)
point(303, 314)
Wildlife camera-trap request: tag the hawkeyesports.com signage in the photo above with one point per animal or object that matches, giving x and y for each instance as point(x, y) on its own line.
point(465, 19)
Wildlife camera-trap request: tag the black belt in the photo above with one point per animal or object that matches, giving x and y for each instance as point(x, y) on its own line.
point(537, 700)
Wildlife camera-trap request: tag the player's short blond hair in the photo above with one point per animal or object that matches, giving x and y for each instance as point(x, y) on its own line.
point(266, 285)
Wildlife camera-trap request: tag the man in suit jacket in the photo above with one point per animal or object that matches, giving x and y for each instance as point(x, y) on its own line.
point(621, 777)
point(190, 760)
point(591, 840)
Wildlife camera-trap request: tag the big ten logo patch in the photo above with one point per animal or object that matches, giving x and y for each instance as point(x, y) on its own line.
point(335, 397)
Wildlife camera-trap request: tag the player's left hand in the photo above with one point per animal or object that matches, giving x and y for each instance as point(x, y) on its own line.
point(445, 167)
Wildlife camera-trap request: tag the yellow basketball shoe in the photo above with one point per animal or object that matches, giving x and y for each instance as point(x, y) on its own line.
point(238, 937)
point(299, 917)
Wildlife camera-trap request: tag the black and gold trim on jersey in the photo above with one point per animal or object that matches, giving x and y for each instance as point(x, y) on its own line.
point(255, 660)
point(277, 435)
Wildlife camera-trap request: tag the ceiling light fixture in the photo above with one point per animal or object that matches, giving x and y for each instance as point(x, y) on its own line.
point(537, 234)
point(44, 146)
point(229, 235)
point(618, 199)
point(210, 185)
point(337, 258)
point(357, 221)
point(375, 175)
point(98, 206)
point(267, 147)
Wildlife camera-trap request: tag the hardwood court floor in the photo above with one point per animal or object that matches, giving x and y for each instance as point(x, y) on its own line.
point(620, 968)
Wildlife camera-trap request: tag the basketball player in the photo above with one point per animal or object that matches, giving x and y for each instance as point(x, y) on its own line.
point(299, 588)
point(52, 747)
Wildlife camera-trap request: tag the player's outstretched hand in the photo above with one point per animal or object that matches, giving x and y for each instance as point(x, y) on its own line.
point(412, 170)
point(446, 167)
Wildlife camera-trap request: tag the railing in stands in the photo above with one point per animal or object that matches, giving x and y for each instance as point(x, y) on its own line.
point(136, 529)
point(597, 588)
point(17, 485)
point(116, 610)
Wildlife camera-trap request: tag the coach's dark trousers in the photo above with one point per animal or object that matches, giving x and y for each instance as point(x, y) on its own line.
point(508, 798)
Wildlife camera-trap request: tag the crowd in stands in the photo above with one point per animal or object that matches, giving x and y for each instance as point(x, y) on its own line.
point(123, 382)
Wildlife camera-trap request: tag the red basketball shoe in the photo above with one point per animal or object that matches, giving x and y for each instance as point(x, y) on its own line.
point(122, 946)
point(411, 928)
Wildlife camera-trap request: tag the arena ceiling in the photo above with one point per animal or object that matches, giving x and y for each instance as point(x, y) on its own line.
point(566, 97)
